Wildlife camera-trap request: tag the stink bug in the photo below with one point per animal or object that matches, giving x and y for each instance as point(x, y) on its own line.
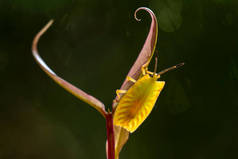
point(138, 101)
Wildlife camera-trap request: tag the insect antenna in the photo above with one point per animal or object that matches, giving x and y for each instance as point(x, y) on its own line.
point(155, 68)
point(170, 68)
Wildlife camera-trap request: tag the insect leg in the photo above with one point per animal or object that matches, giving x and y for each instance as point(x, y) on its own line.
point(144, 69)
point(119, 91)
point(151, 73)
point(131, 79)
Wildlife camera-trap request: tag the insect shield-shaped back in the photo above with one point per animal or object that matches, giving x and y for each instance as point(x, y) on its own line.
point(137, 103)
point(135, 106)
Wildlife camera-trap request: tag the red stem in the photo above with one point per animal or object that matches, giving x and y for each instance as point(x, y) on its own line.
point(110, 137)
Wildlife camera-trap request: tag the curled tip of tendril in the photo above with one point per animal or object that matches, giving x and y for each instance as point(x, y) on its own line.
point(135, 16)
point(142, 8)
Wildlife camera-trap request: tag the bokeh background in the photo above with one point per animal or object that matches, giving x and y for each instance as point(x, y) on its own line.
point(93, 44)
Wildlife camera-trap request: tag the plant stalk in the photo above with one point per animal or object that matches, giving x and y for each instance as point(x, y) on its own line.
point(110, 137)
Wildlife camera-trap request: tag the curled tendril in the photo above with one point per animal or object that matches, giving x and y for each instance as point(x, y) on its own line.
point(142, 8)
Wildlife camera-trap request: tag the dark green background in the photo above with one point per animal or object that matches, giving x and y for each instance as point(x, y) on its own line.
point(93, 44)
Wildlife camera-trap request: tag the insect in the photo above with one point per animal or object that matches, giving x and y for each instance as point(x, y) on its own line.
point(139, 100)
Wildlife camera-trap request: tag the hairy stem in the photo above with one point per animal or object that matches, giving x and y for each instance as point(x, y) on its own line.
point(110, 137)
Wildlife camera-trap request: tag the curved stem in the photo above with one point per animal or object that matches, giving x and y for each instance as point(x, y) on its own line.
point(87, 98)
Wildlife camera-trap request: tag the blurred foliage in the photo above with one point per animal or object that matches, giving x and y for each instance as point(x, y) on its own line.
point(169, 11)
point(93, 44)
